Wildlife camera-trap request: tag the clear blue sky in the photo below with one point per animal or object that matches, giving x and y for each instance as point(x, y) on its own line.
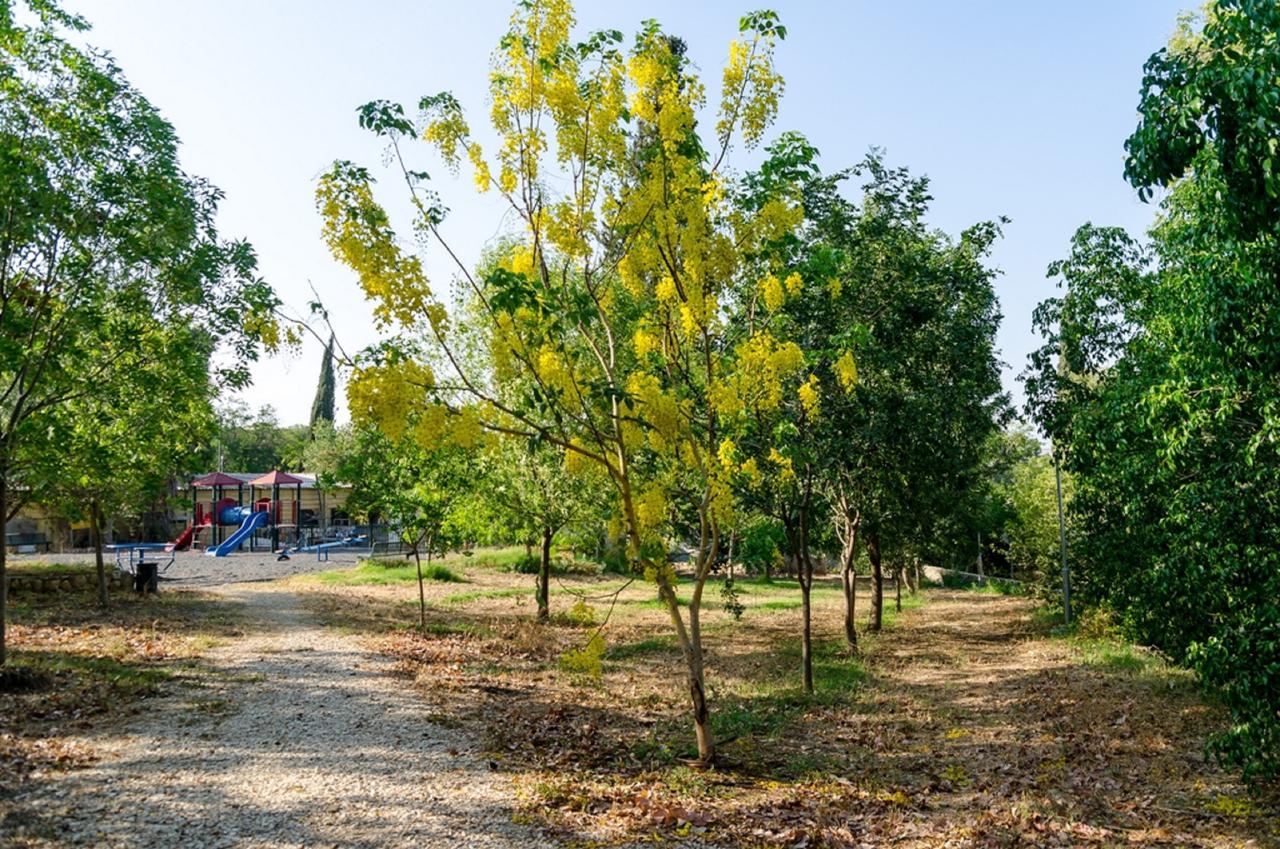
point(1012, 108)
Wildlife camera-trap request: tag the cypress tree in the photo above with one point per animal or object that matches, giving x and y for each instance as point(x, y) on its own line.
point(323, 405)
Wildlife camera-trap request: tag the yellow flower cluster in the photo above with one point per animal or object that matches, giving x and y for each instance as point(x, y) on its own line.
point(751, 89)
point(657, 408)
point(786, 471)
point(358, 234)
point(651, 511)
point(847, 371)
point(762, 366)
point(389, 395)
point(773, 294)
point(808, 393)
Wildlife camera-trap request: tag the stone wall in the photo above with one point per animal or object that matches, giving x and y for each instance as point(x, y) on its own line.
point(50, 582)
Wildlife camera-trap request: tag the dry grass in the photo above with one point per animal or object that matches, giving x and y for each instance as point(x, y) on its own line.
point(964, 724)
point(74, 668)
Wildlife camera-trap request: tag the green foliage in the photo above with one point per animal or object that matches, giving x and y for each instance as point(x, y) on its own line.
point(585, 661)
point(729, 599)
point(255, 441)
point(380, 572)
point(118, 298)
point(323, 408)
point(1157, 379)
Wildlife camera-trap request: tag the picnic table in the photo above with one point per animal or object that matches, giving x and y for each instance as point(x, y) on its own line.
point(26, 543)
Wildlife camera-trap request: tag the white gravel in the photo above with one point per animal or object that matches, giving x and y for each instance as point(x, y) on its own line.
point(318, 745)
point(195, 569)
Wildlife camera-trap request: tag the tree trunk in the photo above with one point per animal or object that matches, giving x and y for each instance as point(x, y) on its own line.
point(897, 587)
point(913, 576)
point(422, 590)
point(95, 529)
point(691, 644)
point(848, 577)
point(877, 582)
point(544, 578)
point(806, 633)
point(4, 578)
point(849, 583)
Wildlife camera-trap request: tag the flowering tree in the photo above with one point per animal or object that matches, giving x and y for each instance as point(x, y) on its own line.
point(611, 308)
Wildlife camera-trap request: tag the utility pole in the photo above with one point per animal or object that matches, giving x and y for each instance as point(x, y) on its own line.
point(1062, 543)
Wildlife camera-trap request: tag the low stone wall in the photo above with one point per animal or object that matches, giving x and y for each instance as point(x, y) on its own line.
point(51, 582)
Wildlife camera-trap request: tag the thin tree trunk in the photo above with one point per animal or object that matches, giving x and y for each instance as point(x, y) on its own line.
point(913, 576)
point(877, 582)
point(897, 587)
point(4, 578)
point(422, 590)
point(847, 531)
point(806, 633)
point(691, 644)
point(544, 578)
point(849, 583)
point(95, 528)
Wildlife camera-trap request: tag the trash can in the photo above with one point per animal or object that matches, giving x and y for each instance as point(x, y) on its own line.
point(147, 577)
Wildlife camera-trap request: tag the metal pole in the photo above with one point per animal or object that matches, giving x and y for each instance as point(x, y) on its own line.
point(1062, 542)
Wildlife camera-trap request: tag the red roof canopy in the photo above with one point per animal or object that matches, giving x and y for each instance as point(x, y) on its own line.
point(216, 479)
point(276, 479)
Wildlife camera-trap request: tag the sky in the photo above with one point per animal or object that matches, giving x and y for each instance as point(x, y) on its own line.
point(1011, 108)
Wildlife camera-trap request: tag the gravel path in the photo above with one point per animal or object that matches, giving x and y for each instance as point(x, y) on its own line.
point(318, 746)
point(192, 569)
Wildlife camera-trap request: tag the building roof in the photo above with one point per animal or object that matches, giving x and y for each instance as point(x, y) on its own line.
point(217, 479)
point(253, 479)
point(276, 478)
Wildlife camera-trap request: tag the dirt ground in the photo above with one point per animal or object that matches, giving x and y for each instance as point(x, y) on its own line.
point(964, 724)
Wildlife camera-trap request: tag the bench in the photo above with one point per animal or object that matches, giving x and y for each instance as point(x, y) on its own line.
point(26, 543)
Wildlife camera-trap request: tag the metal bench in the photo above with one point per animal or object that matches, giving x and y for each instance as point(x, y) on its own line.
point(26, 543)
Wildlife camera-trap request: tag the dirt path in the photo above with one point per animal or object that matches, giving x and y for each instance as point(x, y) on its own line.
point(1017, 740)
point(309, 741)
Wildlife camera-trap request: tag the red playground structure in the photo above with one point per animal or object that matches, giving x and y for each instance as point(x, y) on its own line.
point(220, 510)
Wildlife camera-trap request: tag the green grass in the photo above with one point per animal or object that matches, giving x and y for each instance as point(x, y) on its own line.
point(649, 645)
point(1116, 655)
point(772, 707)
point(503, 559)
point(61, 568)
point(909, 602)
point(381, 572)
point(476, 595)
point(126, 679)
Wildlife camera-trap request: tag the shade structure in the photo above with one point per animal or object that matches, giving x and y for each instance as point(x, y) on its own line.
point(276, 479)
point(216, 479)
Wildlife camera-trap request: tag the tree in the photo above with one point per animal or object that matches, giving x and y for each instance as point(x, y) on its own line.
point(1156, 381)
point(95, 212)
point(611, 307)
point(115, 452)
point(255, 441)
point(807, 363)
point(525, 485)
point(322, 408)
point(917, 314)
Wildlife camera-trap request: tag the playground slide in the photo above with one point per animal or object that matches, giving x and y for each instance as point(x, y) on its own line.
point(183, 542)
point(251, 523)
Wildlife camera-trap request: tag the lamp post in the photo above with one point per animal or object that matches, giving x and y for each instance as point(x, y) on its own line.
point(1062, 543)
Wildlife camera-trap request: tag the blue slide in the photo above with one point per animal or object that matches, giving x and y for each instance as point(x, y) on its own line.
point(252, 521)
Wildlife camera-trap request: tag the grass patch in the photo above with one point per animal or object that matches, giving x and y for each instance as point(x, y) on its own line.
point(1117, 655)
point(477, 595)
point(380, 572)
point(647, 646)
point(48, 567)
